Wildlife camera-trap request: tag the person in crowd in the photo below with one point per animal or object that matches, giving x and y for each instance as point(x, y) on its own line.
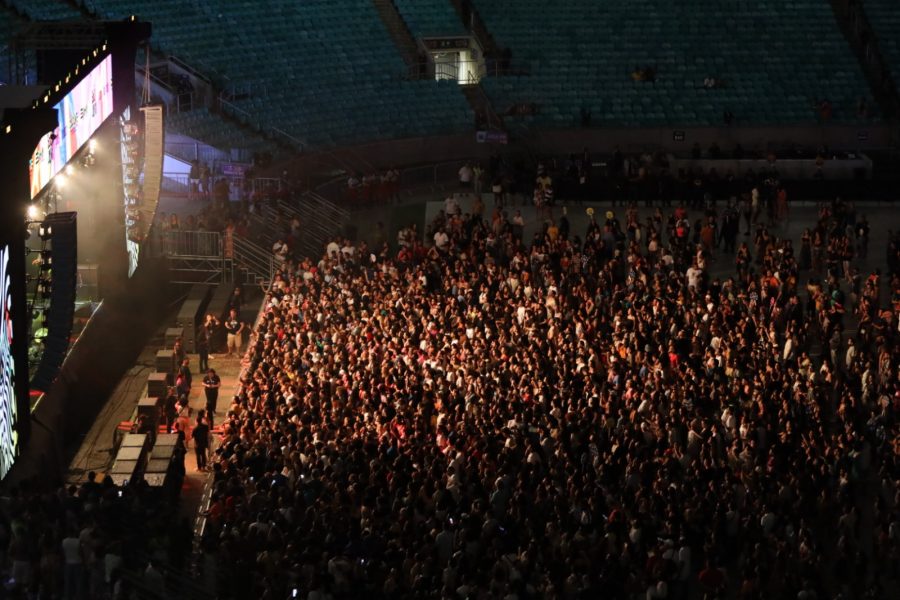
point(466, 175)
point(211, 384)
point(200, 436)
point(178, 355)
point(234, 329)
point(591, 415)
point(202, 341)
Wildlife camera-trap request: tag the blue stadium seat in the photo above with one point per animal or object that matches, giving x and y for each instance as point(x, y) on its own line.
point(774, 58)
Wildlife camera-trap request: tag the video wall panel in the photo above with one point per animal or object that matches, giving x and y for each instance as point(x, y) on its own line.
point(9, 436)
point(80, 114)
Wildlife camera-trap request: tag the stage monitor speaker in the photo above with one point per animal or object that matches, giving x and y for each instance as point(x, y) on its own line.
point(157, 385)
point(149, 408)
point(61, 310)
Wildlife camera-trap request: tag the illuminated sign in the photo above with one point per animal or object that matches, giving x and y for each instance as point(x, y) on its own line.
point(80, 113)
point(9, 437)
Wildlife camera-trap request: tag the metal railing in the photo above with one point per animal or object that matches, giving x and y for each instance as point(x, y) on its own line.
point(411, 178)
point(238, 113)
point(267, 184)
point(195, 151)
point(175, 183)
point(202, 244)
point(285, 137)
point(253, 258)
point(479, 69)
point(245, 89)
point(464, 71)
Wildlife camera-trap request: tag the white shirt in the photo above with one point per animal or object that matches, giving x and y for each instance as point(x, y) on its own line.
point(465, 174)
point(693, 276)
point(441, 240)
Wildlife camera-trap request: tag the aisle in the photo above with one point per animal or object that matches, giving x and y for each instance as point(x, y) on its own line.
point(195, 481)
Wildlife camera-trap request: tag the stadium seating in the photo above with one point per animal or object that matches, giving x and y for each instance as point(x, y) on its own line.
point(775, 59)
point(427, 18)
point(884, 15)
point(324, 71)
point(216, 132)
point(46, 10)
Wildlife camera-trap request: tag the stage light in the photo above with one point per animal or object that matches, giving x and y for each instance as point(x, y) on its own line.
point(34, 212)
point(9, 129)
point(46, 260)
point(92, 145)
point(44, 290)
point(45, 231)
point(70, 170)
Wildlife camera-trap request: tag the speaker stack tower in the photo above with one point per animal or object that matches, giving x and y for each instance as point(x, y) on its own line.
point(61, 232)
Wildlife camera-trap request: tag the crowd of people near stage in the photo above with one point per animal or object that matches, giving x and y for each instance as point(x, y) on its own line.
point(581, 414)
point(91, 541)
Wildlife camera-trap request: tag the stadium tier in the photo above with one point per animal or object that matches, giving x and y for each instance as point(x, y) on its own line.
point(884, 15)
point(427, 18)
point(773, 61)
point(324, 71)
point(217, 132)
point(46, 10)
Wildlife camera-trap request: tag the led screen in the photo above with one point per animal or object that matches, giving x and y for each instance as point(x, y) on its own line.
point(9, 438)
point(80, 113)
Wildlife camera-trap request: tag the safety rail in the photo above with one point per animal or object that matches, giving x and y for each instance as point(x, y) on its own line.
point(239, 114)
point(245, 89)
point(175, 242)
point(286, 138)
point(256, 261)
point(479, 70)
point(190, 151)
point(202, 75)
point(267, 184)
point(411, 179)
point(320, 220)
point(178, 184)
point(463, 71)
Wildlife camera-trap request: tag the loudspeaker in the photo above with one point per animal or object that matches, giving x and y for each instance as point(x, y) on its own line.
point(149, 408)
point(157, 385)
point(59, 314)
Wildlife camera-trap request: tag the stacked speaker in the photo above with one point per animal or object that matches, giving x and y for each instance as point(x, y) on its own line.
point(60, 231)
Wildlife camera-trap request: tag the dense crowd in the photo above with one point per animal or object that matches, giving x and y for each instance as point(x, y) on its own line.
point(92, 541)
point(571, 416)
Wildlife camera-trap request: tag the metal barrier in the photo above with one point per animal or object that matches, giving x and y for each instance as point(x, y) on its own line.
point(199, 152)
point(178, 184)
point(175, 183)
point(176, 243)
point(267, 184)
point(412, 178)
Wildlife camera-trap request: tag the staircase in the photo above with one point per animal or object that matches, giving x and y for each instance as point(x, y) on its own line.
point(855, 25)
point(320, 220)
point(398, 30)
point(251, 263)
point(481, 105)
